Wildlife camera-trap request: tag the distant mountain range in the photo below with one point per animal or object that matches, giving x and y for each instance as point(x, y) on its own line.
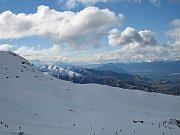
point(107, 77)
point(140, 76)
point(145, 67)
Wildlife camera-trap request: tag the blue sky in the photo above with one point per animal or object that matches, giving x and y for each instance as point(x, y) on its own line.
point(132, 30)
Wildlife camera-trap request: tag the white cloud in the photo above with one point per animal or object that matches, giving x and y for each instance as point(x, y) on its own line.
point(132, 37)
point(174, 32)
point(71, 4)
point(134, 46)
point(74, 3)
point(137, 45)
point(62, 27)
point(127, 53)
point(53, 53)
point(6, 47)
point(174, 35)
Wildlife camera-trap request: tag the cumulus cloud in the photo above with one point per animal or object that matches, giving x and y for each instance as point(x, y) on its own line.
point(135, 45)
point(141, 45)
point(132, 37)
point(62, 27)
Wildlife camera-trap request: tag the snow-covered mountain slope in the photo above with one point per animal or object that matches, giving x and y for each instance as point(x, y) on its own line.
point(36, 104)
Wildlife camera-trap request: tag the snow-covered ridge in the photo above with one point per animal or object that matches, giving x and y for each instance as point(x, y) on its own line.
point(36, 104)
point(58, 71)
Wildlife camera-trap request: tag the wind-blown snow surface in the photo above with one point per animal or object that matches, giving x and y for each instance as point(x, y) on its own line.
point(43, 105)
